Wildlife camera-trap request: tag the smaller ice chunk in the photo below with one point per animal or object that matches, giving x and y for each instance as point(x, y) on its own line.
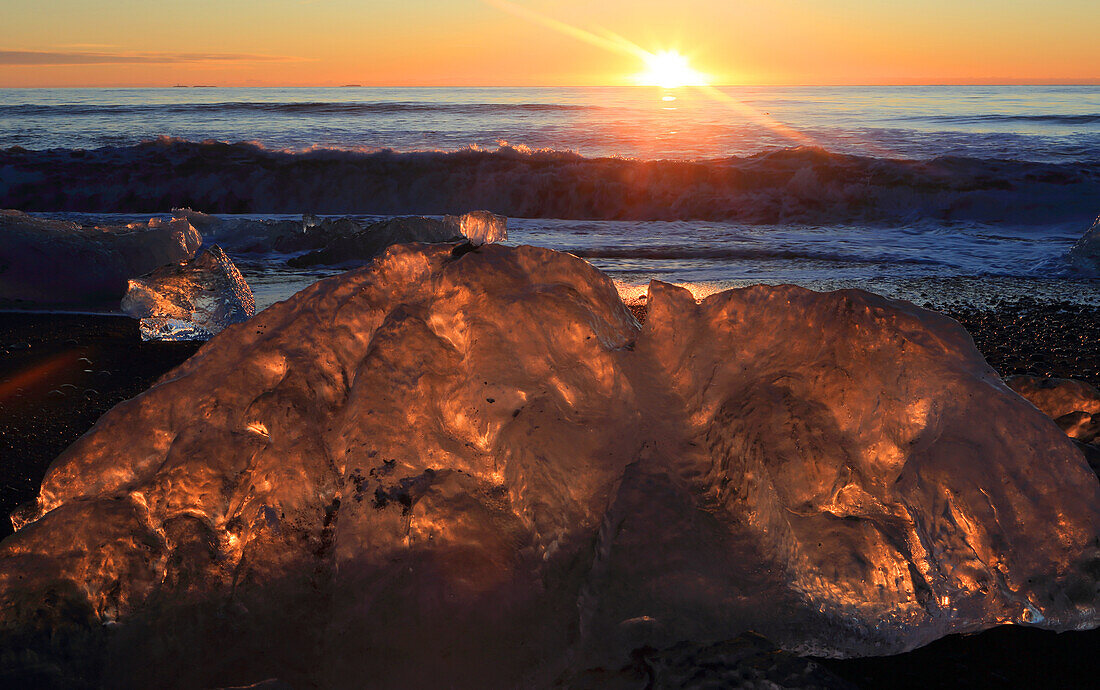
point(339, 240)
point(52, 262)
point(203, 222)
point(1073, 405)
point(480, 227)
point(1056, 397)
point(1085, 253)
point(347, 242)
point(1080, 426)
point(253, 236)
point(191, 301)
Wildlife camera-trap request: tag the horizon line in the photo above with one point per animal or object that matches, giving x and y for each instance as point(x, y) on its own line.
point(990, 82)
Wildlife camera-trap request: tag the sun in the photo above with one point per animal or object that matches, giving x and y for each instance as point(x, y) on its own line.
point(669, 70)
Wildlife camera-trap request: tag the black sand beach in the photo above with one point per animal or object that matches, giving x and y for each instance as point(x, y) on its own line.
point(58, 374)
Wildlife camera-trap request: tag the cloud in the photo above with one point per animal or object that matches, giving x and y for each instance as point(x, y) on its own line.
point(33, 57)
point(85, 46)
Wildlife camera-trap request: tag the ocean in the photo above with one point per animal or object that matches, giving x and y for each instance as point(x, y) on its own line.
point(1032, 123)
point(879, 187)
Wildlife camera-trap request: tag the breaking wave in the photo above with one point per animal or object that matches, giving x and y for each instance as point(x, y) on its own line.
point(801, 185)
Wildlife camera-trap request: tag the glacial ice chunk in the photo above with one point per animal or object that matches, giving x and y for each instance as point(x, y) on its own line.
point(51, 262)
point(341, 240)
point(1056, 397)
point(252, 235)
point(478, 466)
point(1073, 405)
point(1086, 251)
point(191, 301)
point(480, 227)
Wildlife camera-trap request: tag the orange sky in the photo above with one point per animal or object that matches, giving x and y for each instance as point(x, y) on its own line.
point(474, 43)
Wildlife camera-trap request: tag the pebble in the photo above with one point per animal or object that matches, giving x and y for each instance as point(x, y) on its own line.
point(1025, 336)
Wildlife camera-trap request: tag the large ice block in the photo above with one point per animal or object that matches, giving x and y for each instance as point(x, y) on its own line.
point(477, 466)
point(51, 262)
point(190, 301)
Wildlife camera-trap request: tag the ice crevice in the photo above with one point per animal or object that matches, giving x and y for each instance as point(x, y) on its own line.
point(479, 466)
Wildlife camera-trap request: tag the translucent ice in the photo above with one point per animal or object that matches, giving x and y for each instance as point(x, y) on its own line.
point(341, 240)
point(252, 235)
point(46, 262)
point(480, 227)
point(191, 301)
point(1086, 251)
point(1073, 405)
point(477, 466)
point(1056, 397)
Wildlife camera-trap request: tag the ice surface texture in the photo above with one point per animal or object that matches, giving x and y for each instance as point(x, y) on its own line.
point(46, 262)
point(190, 301)
point(476, 466)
